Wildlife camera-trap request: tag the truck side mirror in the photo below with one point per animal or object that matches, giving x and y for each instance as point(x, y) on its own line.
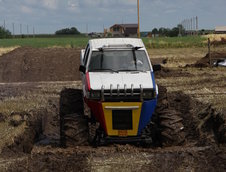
point(82, 55)
point(156, 67)
point(82, 69)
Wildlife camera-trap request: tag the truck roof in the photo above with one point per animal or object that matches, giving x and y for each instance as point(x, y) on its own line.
point(98, 43)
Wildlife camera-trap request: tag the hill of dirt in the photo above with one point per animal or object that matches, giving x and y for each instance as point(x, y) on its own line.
point(205, 61)
point(40, 64)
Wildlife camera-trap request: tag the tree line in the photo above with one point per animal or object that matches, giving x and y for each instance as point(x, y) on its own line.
point(166, 32)
point(68, 31)
point(4, 33)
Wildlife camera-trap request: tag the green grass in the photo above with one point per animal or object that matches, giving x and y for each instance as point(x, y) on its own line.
point(166, 42)
point(175, 42)
point(45, 42)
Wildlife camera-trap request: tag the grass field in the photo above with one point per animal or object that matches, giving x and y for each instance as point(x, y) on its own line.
point(176, 42)
point(45, 42)
point(166, 42)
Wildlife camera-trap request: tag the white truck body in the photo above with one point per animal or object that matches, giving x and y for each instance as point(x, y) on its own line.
point(118, 80)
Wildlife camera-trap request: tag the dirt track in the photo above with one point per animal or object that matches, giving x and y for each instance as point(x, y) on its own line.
point(36, 148)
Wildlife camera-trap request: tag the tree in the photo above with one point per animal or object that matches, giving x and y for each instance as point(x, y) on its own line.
point(68, 31)
point(164, 31)
point(4, 33)
point(174, 32)
point(155, 31)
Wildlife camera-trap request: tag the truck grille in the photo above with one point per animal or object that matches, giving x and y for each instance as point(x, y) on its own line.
point(126, 94)
point(122, 119)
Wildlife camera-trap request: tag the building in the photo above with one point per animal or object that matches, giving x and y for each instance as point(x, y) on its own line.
point(124, 30)
point(220, 30)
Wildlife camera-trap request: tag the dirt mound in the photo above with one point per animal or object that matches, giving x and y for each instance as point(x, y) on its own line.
point(205, 62)
point(222, 41)
point(169, 72)
point(40, 64)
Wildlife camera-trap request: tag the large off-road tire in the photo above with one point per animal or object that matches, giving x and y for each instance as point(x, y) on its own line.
point(74, 130)
point(73, 124)
point(171, 126)
point(169, 121)
point(92, 126)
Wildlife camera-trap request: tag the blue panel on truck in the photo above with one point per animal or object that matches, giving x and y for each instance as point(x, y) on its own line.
point(148, 109)
point(153, 80)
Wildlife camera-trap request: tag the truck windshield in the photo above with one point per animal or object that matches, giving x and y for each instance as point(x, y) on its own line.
point(121, 60)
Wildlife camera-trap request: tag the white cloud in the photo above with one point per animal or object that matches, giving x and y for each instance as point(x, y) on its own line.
point(25, 9)
point(73, 5)
point(50, 4)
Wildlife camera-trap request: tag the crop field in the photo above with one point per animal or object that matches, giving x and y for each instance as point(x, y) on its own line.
point(33, 75)
point(45, 42)
point(176, 42)
point(161, 42)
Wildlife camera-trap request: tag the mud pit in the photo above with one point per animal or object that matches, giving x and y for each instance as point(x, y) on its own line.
point(203, 150)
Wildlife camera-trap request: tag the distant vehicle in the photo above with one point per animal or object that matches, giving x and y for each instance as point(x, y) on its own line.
point(95, 35)
point(221, 63)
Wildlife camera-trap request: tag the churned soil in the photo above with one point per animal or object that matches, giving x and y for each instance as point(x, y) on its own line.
point(37, 146)
point(205, 61)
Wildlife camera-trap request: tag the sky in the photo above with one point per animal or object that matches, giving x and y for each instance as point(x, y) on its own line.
point(47, 16)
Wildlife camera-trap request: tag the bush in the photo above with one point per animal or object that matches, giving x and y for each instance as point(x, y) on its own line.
point(4, 33)
point(68, 31)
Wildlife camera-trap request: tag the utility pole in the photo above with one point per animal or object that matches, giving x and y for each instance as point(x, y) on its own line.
point(138, 15)
point(194, 25)
point(13, 31)
point(188, 26)
point(21, 30)
point(197, 26)
point(87, 29)
point(27, 30)
point(33, 31)
point(4, 24)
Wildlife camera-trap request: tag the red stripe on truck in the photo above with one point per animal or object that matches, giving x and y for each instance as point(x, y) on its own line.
point(88, 81)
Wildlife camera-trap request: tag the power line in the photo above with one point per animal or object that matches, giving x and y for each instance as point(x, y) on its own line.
point(33, 31)
point(27, 30)
point(190, 25)
point(13, 30)
point(20, 29)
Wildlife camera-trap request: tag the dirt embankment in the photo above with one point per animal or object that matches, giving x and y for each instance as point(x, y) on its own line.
point(40, 64)
point(205, 61)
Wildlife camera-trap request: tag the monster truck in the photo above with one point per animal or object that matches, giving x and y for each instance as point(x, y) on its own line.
point(119, 95)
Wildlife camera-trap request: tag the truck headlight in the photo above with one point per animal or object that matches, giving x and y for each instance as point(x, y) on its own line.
point(149, 94)
point(95, 94)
